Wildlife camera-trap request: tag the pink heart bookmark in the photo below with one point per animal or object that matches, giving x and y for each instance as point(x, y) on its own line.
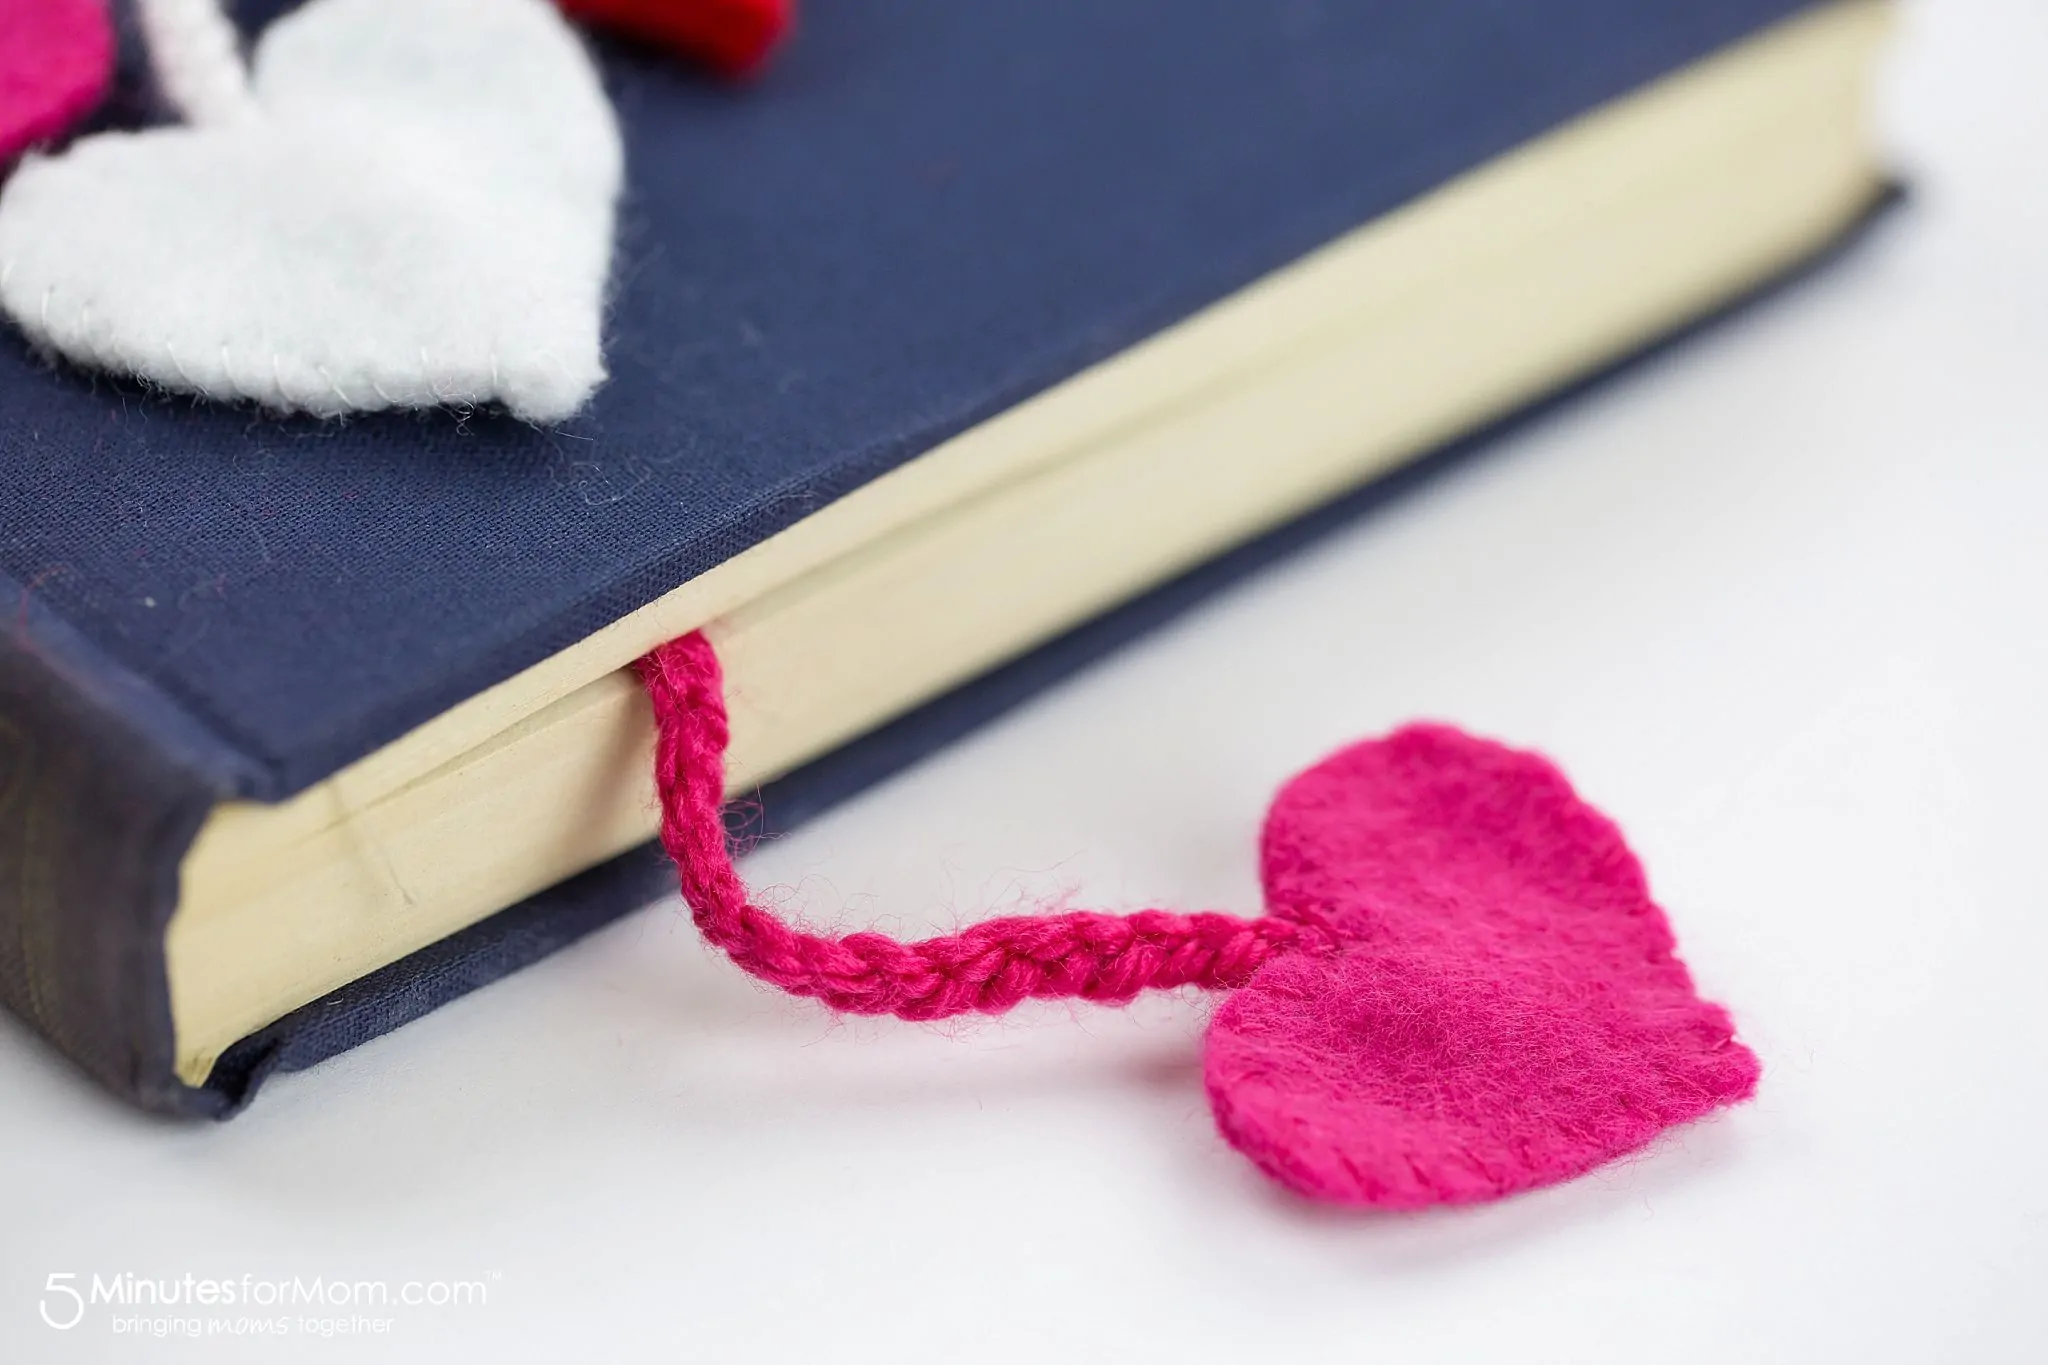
point(55, 60)
point(1461, 989)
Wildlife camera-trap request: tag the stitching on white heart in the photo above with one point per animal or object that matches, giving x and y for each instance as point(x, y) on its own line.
point(171, 350)
point(346, 401)
point(85, 329)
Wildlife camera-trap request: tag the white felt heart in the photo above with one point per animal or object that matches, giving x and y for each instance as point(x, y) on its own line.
point(412, 206)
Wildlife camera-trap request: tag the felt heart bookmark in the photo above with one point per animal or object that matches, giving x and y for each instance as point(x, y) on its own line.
point(394, 204)
point(1461, 988)
point(55, 59)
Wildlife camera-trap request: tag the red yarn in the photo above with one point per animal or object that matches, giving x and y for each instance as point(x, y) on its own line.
point(1462, 990)
point(987, 968)
point(730, 36)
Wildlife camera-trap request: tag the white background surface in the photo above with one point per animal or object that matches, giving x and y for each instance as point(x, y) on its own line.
point(1779, 604)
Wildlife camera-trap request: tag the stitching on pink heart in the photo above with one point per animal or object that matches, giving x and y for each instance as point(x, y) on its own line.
point(1389, 1041)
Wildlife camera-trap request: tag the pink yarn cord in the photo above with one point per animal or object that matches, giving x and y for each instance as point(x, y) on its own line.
point(987, 968)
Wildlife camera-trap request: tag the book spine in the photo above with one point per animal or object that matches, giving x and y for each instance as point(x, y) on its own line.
point(103, 786)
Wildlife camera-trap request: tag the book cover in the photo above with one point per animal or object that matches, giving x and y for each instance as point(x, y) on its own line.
point(923, 216)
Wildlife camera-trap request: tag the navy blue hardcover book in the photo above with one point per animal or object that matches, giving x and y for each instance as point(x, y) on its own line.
point(931, 235)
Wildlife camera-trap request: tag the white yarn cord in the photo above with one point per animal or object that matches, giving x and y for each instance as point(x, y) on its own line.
point(196, 53)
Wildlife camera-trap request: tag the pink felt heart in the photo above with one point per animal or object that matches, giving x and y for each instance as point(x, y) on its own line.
point(1505, 1009)
point(55, 58)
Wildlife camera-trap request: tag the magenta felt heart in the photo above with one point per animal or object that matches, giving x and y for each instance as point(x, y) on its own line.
point(55, 57)
point(1504, 1009)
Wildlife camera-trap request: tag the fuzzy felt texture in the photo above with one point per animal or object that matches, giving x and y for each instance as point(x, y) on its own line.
point(733, 37)
point(1506, 1010)
point(414, 207)
point(55, 60)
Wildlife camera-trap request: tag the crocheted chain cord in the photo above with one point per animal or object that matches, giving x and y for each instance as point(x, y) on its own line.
point(987, 968)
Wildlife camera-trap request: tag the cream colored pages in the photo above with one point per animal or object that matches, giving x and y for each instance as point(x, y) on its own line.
point(1509, 281)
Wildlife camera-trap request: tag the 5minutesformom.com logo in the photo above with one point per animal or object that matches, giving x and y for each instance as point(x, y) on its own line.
point(69, 1298)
